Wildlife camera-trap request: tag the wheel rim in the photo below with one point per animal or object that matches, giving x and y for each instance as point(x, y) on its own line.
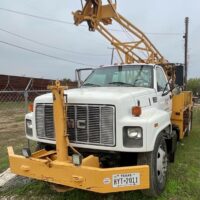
point(161, 164)
point(189, 127)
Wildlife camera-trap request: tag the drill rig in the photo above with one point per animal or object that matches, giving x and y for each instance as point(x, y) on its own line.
point(138, 50)
point(137, 123)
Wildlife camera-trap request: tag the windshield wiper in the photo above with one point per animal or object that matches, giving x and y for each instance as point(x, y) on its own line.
point(120, 83)
point(91, 84)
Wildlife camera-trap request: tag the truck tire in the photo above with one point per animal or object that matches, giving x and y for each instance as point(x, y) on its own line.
point(157, 161)
point(41, 146)
point(172, 152)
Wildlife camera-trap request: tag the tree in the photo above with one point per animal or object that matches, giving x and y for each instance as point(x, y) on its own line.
point(194, 85)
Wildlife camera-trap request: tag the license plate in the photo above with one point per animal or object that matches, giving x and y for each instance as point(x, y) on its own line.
point(124, 180)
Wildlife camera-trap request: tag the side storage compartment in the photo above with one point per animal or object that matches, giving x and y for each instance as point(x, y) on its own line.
point(182, 112)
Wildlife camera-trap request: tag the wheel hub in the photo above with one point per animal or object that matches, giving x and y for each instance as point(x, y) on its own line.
point(161, 164)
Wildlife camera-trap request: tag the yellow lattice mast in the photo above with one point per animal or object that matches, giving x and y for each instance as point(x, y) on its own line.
point(138, 50)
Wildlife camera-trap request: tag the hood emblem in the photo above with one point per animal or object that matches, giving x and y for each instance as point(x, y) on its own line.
point(81, 124)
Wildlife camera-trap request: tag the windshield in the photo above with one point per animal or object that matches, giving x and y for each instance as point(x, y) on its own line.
point(128, 76)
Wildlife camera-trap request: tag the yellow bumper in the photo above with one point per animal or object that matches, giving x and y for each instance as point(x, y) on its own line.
point(88, 176)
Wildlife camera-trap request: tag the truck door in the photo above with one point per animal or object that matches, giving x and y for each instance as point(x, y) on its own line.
point(163, 94)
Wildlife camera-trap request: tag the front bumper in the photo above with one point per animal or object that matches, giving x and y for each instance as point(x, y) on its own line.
point(43, 165)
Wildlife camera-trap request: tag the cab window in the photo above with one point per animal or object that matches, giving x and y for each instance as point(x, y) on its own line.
point(161, 79)
point(122, 76)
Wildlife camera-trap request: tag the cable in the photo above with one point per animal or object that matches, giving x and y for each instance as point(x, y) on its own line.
point(44, 54)
point(49, 46)
point(172, 34)
point(36, 16)
point(70, 23)
point(40, 17)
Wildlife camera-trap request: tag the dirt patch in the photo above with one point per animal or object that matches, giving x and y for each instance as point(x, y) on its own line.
point(9, 180)
point(10, 121)
point(5, 177)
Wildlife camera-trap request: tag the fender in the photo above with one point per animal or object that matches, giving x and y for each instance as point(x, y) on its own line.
point(157, 121)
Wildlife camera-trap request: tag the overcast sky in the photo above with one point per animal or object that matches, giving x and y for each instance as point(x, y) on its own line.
point(162, 21)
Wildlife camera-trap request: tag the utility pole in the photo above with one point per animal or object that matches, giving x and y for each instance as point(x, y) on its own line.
point(112, 55)
point(186, 48)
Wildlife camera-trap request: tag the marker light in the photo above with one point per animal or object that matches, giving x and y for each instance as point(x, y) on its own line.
point(30, 107)
point(136, 111)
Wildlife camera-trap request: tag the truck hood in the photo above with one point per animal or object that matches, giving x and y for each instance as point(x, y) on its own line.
point(100, 95)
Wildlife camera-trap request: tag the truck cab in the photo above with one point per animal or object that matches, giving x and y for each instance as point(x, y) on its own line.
point(101, 112)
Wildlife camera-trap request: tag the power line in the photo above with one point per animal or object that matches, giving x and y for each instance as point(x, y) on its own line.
point(172, 34)
point(49, 46)
point(36, 16)
point(39, 17)
point(44, 54)
point(70, 23)
point(149, 33)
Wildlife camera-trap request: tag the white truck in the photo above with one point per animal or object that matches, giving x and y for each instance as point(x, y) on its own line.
point(121, 113)
point(121, 126)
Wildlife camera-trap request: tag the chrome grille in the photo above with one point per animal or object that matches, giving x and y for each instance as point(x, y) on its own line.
point(44, 121)
point(87, 124)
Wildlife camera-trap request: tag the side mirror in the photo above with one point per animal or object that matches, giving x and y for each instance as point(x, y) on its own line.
point(166, 91)
point(176, 91)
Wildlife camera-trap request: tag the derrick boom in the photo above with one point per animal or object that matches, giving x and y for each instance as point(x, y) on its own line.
point(138, 49)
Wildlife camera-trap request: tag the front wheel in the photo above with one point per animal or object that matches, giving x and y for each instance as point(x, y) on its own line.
point(157, 161)
point(41, 146)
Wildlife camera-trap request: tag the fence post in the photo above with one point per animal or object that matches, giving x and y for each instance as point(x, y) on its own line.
point(26, 95)
point(26, 100)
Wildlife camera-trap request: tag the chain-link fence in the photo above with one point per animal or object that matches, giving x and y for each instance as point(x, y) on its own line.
point(17, 101)
point(14, 105)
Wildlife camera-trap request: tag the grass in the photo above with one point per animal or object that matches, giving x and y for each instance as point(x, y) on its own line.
point(183, 178)
point(11, 130)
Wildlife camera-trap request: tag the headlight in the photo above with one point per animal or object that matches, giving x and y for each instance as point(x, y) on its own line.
point(26, 152)
point(132, 137)
point(77, 159)
point(135, 133)
point(29, 127)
